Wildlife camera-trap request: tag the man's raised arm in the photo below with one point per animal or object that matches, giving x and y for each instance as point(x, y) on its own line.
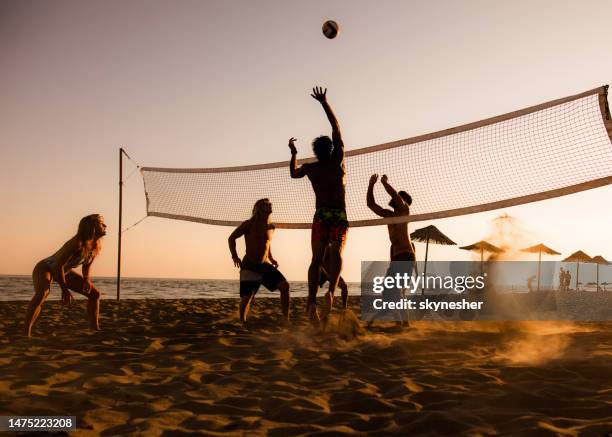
point(397, 199)
point(377, 209)
point(319, 94)
point(295, 171)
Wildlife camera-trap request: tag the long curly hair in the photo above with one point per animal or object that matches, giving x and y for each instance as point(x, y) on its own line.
point(86, 233)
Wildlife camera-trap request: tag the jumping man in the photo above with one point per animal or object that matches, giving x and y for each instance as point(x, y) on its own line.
point(330, 223)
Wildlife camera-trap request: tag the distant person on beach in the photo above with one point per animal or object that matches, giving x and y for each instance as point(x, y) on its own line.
point(561, 279)
point(325, 278)
point(530, 281)
point(81, 249)
point(330, 224)
point(568, 280)
point(258, 267)
point(402, 248)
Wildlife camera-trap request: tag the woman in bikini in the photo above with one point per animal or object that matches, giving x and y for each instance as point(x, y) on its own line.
point(81, 249)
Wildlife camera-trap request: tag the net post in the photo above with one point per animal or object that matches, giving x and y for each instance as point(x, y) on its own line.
point(121, 152)
point(605, 110)
point(606, 105)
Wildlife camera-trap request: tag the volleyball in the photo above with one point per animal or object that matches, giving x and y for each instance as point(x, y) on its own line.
point(330, 29)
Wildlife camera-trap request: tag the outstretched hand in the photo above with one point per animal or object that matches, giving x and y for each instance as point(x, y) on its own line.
point(384, 179)
point(318, 93)
point(292, 141)
point(373, 179)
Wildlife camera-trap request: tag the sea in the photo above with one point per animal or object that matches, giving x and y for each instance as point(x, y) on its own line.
point(16, 287)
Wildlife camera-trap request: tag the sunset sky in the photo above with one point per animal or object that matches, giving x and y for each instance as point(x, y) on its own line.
point(224, 83)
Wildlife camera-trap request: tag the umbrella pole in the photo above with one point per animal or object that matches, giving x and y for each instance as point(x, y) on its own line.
point(597, 289)
point(577, 273)
point(425, 267)
point(539, 264)
point(482, 261)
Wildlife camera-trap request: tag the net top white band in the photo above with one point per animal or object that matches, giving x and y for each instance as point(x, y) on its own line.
point(544, 151)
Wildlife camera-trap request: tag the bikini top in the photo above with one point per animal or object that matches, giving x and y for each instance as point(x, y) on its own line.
point(75, 260)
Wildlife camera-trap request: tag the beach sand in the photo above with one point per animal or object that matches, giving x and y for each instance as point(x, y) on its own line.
point(186, 367)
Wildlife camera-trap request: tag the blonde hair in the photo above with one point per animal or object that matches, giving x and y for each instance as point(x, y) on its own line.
point(86, 233)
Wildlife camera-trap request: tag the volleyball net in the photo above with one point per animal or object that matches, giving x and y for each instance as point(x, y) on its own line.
point(544, 151)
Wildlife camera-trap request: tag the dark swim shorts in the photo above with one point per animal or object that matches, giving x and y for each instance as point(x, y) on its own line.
point(400, 263)
point(404, 256)
point(329, 224)
point(253, 276)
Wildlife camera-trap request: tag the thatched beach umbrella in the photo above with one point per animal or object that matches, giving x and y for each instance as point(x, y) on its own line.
point(578, 257)
point(433, 234)
point(539, 248)
point(482, 247)
point(600, 261)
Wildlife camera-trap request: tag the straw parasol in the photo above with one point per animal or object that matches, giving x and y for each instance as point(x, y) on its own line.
point(482, 247)
point(433, 234)
point(600, 261)
point(539, 248)
point(578, 257)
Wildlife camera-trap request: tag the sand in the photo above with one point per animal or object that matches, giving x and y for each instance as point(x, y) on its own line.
point(186, 367)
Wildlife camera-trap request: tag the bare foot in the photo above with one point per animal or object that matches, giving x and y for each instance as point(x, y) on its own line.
point(329, 302)
point(313, 314)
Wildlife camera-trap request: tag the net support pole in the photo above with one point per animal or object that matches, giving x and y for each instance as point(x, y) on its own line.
point(539, 268)
point(121, 152)
point(425, 268)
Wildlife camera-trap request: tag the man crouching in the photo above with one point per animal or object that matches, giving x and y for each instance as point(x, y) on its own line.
point(258, 266)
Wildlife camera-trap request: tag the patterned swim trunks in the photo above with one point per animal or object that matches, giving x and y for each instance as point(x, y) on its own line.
point(329, 224)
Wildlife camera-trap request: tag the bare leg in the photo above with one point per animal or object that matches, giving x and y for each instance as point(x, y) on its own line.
point(42, 285)
point(245, 305)
point(335, 267)
point(403, 314)
point(74, 281)
point(314, 272)
point(344, 287)
point(283, 287)
point(93, 309)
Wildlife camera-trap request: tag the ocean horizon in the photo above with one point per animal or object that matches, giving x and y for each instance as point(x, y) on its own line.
point(20, 287)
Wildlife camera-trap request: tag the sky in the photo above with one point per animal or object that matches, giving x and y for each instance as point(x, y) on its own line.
point(226, 83)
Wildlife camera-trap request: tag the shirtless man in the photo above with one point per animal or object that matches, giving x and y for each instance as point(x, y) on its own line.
point(402, 248)
point(330, 223)
point(258, 265)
